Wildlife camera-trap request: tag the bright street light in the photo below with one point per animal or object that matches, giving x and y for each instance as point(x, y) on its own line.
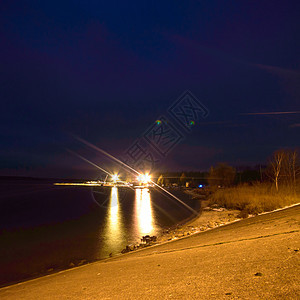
point(115, 178)
point(144, 178)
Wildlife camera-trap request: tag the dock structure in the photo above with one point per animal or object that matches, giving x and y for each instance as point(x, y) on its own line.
point(103, 184)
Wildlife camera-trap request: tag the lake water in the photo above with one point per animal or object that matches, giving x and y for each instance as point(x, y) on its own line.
point(45, 227)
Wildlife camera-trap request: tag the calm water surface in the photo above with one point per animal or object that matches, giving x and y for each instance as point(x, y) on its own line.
point(45, 227)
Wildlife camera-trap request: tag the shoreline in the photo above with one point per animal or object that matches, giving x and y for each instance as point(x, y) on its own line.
point(262, 253)
point(210, 217)
point(184, 228)
point(187, 227)
point(72, 264)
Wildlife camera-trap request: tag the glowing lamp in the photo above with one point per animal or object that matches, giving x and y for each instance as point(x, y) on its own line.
point(144, 178)
point(115, 178)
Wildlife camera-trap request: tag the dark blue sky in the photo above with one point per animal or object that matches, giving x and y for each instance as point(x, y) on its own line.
point(106, 71)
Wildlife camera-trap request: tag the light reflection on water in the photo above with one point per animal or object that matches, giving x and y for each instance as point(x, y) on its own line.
point(36, 218)
point(143, 212)
point(114, 229)
point(121, 229)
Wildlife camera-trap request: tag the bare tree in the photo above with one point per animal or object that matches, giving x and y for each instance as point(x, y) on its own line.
point(286, 171)
point(295, 168)
point(290, 168)
point(276, 166)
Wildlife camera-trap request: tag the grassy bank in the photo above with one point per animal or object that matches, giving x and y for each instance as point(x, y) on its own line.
point(255, 199)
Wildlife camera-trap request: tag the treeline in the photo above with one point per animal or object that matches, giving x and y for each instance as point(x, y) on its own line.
point(283, 169)
point(245, 174)
point(277, 186)
point(182, 178)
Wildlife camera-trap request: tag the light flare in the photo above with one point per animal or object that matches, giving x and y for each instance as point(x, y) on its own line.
point(144, 178)
point(115, 178)
point(135, 171)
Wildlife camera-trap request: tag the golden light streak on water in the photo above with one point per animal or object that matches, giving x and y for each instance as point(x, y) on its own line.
point(134, 171)
point(114, 228)
point(114, 209)
point(144, 212)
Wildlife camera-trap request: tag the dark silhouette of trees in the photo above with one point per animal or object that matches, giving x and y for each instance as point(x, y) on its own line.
point(221, 175)
point(249, 176)
point(182, 179)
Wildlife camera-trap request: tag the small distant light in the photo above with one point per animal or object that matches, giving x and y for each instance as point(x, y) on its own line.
point(192, 123)
point(158, 122)
point(200, 185)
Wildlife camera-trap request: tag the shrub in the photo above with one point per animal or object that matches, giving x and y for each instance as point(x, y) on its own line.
point(255, 199)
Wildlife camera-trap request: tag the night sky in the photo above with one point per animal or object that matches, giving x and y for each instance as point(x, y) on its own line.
point(106, 70)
